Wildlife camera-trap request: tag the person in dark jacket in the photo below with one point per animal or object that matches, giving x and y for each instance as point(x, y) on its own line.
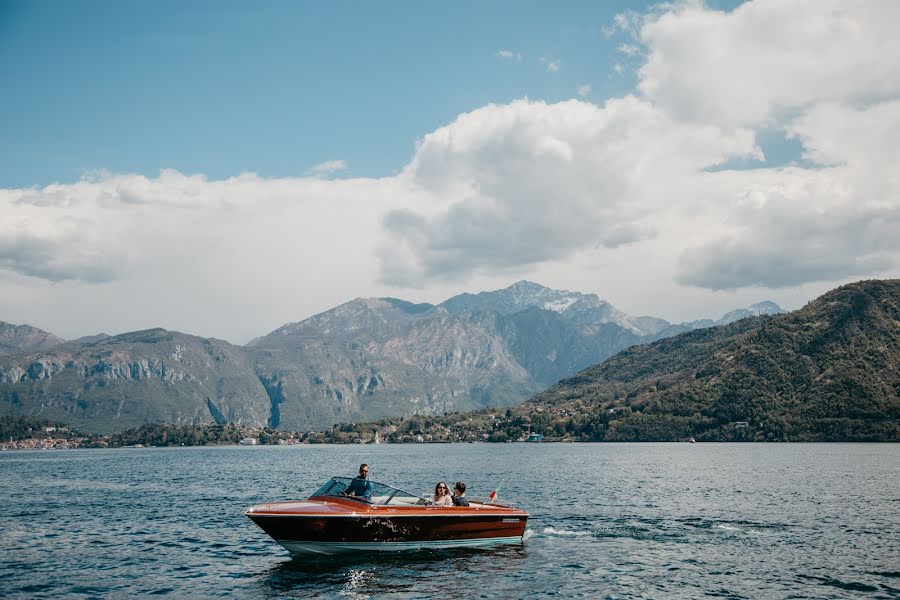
point(459, 494)
point(360, 486)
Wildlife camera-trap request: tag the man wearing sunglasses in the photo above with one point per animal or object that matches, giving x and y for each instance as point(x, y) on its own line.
point(459, 494)
point(360, 486)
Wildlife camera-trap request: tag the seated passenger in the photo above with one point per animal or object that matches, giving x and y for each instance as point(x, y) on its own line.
point(360, 486)
point(442, 495)
point(459, 498)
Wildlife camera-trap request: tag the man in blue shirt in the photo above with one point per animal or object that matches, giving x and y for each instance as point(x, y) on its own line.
point(360, 486)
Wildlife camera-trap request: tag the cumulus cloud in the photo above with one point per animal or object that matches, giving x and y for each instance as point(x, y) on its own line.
point(584, 90)
point(528, 182)
point(509, 55)
point(827, 74)
point(55, 251)
point(186, 252)
point(864, 138)
point(791, 226)
point(590, 176)
point(807, 228)
point(766, 57)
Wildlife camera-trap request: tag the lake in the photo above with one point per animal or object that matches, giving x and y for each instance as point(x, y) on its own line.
point(607, 520)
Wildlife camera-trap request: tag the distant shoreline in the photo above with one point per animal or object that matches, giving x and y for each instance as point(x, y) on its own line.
point(6, 448)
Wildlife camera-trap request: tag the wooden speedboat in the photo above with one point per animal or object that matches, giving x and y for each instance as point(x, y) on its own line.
point(386, 519)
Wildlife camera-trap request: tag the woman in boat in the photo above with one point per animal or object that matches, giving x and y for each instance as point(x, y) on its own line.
point(442, 495)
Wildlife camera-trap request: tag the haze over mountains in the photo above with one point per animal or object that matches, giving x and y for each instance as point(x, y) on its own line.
point(365, 359)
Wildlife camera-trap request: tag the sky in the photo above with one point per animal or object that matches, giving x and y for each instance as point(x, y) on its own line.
point(223, 168)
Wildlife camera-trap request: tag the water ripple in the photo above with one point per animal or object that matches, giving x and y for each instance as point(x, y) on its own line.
point(608, 521)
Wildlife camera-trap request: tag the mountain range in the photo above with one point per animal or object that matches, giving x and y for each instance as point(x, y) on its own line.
point(365, 359)
point(827, 372)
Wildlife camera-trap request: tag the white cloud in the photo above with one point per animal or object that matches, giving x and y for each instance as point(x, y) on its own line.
point(766, 57)
point(804, 227)
point(572, 175)
point(552, 65)
point(236, 257)
point(509, 54)
point(67, 249)
point(629, 49)
point(329, 167)
point(584, 90)
point(828, 74)
point(628, 22)
point(786, 227)
point(864, 138)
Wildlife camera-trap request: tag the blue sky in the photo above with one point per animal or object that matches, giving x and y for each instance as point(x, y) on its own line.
point(275, 88)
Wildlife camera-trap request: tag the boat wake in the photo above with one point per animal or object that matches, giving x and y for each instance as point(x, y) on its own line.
point(562, 533)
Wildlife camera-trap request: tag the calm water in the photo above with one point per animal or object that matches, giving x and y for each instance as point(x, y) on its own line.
point(608, 520)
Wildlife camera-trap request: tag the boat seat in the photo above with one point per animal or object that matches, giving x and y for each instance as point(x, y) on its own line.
point(404, 502)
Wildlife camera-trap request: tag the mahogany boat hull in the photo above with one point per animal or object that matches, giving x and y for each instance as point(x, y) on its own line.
point(334, 528)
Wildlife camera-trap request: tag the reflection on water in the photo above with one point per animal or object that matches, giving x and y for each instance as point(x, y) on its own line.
point(607, 520)
point(372, 574)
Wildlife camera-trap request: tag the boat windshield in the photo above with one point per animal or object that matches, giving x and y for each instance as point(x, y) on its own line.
point(370, 492)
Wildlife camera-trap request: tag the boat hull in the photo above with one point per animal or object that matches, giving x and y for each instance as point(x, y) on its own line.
point(346, 526)
point(332, 525)
point(399, 531)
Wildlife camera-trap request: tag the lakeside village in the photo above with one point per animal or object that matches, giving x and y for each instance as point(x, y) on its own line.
point(497, 425)
point(24, 433)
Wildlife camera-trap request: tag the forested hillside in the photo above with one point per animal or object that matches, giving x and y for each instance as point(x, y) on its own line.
point(828, 371)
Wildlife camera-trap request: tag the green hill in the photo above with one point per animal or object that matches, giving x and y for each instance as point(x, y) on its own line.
point(830, 371)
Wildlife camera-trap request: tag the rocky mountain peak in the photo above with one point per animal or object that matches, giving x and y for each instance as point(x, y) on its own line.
point(369, 318)
point(517, 297)
point(579, 308)
point(25, 338)
point(527, 287)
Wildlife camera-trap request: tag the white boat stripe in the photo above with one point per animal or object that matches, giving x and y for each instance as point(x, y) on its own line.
point(299, 547)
